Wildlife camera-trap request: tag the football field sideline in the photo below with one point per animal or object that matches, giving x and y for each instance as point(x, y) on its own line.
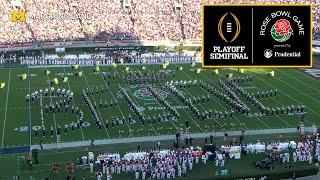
point(170, 137)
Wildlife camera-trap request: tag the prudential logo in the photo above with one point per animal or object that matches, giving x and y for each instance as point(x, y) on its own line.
point(268, 53)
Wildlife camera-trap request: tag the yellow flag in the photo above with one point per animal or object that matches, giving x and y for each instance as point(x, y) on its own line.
point(55, 81)
point(121, 60)
point(79, 74)
point(97, 69)
point(230, 75)
point(241, 71)
point(198, 71)
point(2, 85)
point(164, 66)
point(65, 79)
point(23, 76)
point(272, 73)
point(76, 66)
point(216, 71)
point(193, 64)
point(114, 65)
point(47, 72)
point(127, 69)
point(181, 68)
point(143, 68)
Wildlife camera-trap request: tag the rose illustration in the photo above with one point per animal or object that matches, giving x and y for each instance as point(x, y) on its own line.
point(282, 26)
point(281, 30)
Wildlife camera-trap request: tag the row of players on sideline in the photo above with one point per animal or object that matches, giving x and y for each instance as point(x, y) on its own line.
point(178, 162)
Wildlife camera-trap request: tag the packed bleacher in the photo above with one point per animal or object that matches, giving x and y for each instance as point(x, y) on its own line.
point(109, 20)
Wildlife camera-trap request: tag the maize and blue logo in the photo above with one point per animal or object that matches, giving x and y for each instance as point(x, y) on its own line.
point(18, 16)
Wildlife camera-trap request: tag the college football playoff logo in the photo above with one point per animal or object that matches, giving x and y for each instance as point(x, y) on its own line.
point(281, 31)
point(228, 27)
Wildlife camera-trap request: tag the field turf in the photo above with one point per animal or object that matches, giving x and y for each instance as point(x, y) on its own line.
point(17, 117)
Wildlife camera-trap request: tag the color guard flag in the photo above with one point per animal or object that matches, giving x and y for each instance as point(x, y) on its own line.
point(272, 73)
point(55, 81)
point(23, 76)
point(230, 75)
point(79, 74)
point(114, 65)
point(143, 68)
point(216, 71)
point(164, 66)
point(76, 66)
point(193, 64)
point(127, 69)
point(97, 69)
point(47, 72)
point(241, 71)
point(121, 60)
point(181, 68)
point(198, 71)
point(2, 85)
point(65, 79)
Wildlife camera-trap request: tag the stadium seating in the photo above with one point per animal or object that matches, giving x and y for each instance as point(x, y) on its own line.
point(175, 20)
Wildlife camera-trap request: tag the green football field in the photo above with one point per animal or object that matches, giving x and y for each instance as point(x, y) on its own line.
point(19, 120)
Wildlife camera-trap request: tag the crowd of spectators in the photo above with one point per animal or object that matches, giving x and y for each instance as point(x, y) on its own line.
point(115, 19)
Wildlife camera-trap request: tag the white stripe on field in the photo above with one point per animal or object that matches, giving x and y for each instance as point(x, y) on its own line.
point(29, 104)
point(6, 109)
point(64, 69)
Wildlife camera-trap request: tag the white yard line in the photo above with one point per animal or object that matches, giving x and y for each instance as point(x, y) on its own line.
point(286, 94)
point(183, 109)
point(292, 77)
point(133, 99)
point(29, 108)
point(64, 69)
point(116, 100)
point(216, 99)
point(204, 108)
point(95, 102)
point(6, 110)
point(163, 110)
point(278, 103)
point(135, 102)
point(289, 85)
point(238, 120)
point(54, 117)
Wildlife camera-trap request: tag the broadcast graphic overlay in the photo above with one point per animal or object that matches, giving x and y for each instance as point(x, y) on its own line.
point(257, 36)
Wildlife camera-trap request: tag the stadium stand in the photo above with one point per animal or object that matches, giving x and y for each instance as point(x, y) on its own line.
point(175, 20)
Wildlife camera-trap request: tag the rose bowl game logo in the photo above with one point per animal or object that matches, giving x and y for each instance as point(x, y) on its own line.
point(144, 94)
point(281, 30)
point(271, 36)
